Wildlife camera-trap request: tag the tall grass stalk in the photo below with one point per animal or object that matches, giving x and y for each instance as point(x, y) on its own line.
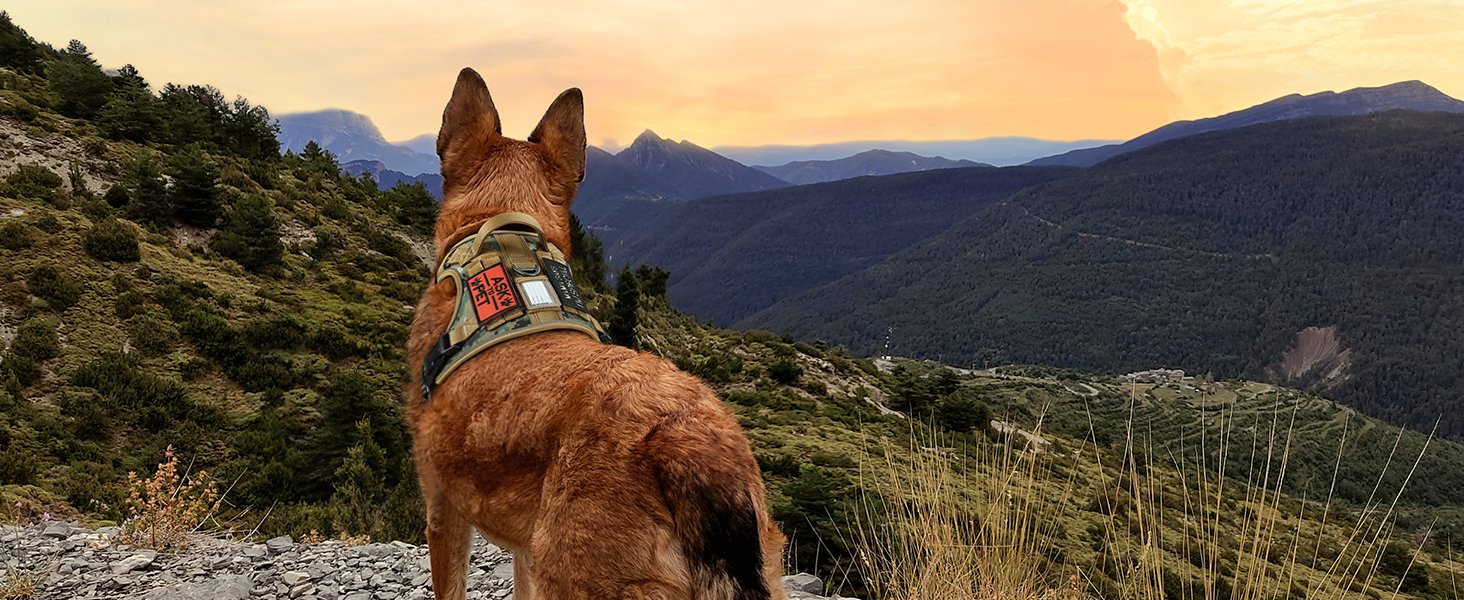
point(1199, 516)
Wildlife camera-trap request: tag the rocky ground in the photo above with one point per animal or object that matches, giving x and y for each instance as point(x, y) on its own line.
point(71, 562)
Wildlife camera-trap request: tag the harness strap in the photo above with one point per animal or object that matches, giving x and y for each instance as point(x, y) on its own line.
point(509, 284)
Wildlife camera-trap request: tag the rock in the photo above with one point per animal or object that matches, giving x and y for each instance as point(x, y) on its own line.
point(295, 577)
point(280, 544)
point(419, 580)
point(132, 563)
point(803, 582)
point(302, 589)
point(255, 551)
point(57, 530)
point(234, 587)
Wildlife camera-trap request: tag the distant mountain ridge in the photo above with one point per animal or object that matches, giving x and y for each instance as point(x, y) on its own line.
point(622, 191)
point(1228, 252)
point(871, 162)
point(1408, 95)
point(999, 151)
point(386, 178)
point(352, 136)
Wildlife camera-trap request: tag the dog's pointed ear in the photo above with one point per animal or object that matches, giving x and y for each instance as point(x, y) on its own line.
point(469, 115)
point(562, 134)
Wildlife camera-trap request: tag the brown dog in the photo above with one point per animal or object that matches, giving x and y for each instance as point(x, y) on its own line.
point(608, 473)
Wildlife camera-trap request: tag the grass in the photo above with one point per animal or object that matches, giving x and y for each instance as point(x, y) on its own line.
point(1163, 521)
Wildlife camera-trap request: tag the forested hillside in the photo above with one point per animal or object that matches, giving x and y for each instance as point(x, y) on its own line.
point(1211, 253)
point(731, 256)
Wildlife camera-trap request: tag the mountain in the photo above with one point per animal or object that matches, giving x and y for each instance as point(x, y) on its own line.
point(872, 162)
point(692, 171)
point(422, 144)
point(1318, 252)
point(622, 191)
point(731, 256)
point(1000, 151)
point(386, 178)
point(351, 136)
point(1409, 95)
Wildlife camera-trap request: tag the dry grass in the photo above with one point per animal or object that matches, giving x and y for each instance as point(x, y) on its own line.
point(1173, 527)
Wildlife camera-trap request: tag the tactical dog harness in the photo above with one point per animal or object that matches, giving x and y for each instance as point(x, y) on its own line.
point(509, 284)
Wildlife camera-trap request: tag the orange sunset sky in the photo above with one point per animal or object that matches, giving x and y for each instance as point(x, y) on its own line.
point(776, 72)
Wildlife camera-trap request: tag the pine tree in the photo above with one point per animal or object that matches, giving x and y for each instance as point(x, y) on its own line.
point(80, 86)
point(195, 192)
point(251, 235)
point(624, 322)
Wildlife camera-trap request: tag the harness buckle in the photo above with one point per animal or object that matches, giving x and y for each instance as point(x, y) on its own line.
point(437, 357)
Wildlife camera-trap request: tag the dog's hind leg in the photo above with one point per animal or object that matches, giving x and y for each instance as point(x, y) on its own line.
point(448, 538)
point(523, 588)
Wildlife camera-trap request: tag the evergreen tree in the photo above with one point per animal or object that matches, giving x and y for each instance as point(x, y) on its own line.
point(17, 50)
point(80, 86)
point(624, 322)
point(131, 111)
point(251, 235)
point(411, 204)
point(149, 200)
point(195, 192)
point(652, 280)
point(586, 256)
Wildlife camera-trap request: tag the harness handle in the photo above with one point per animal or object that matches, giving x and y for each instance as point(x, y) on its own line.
point(508, 218)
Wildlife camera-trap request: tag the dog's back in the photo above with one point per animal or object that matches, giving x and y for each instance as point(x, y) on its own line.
point(609, 473)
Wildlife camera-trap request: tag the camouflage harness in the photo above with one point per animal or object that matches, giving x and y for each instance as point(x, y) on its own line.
point(509, 284)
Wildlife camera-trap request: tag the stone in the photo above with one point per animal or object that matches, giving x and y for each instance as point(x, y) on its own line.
point(57, 530)
point(132, 563)
point(295, 577)
point(279, 544)
point(360, 596)
point(803, 582)
point(420, 579)
point(235, 587)
point(255, 551)
point(302, 589)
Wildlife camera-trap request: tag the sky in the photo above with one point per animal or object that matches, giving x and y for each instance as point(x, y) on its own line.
point(775, 71)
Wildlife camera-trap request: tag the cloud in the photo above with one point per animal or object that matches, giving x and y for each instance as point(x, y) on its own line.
point(759, 71)
point(1221, 56)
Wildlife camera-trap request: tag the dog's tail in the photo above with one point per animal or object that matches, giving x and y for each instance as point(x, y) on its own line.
point(711, 485)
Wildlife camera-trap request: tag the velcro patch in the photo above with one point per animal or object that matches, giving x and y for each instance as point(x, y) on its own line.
point(492, 293)
point(563, 281)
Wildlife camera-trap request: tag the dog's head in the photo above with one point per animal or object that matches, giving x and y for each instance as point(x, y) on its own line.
point(484, 173)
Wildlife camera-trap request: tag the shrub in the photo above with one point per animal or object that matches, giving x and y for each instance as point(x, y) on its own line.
point(112, 240)
point(33, 181)
point(15, 235)
point(36, 340)
point(152, 336)
point(785, 371)
point(57, 288)
point(162, 510)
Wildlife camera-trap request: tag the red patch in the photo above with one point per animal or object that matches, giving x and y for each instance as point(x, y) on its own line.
point(492, 293)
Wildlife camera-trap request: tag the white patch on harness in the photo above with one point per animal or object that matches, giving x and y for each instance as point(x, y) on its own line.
point(538, 294)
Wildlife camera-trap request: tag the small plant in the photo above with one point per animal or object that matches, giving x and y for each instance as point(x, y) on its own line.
point(163, 510)
point(18, 584)
point(111, 239)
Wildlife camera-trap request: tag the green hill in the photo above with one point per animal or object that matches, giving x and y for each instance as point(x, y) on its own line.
point(1218, 253)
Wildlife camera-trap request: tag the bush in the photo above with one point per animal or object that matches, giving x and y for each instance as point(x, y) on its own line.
point(113, 240)
point(152, 336)
point(15, 235)
point(785, 371)
point(162, 510)
point(33, 181)
point(36, 340)
point(58, 289)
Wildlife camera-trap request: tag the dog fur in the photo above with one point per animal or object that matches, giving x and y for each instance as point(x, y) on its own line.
point(608, 473)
